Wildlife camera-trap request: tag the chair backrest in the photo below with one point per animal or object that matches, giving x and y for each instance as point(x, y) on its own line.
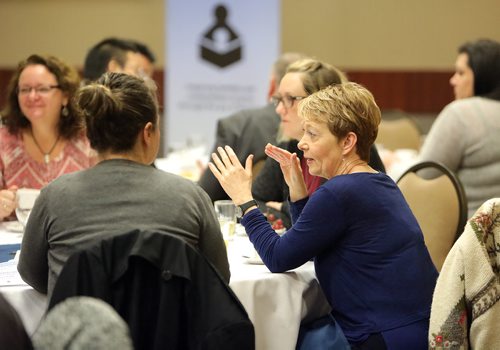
point(438, 203)
point(165, 289)
point(399, 133)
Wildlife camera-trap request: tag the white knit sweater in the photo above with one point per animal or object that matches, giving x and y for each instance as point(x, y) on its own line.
point(465, 308)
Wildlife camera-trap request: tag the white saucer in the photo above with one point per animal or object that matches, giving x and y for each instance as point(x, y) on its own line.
point(240, 230)
point(256, 260)
point(280, 231)
point(14, 226)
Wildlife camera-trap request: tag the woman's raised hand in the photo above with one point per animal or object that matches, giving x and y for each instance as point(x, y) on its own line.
point(292, 172)
point(234, 179)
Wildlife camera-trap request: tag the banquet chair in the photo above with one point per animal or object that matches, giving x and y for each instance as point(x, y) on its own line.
point(168, 293)
point(438, 203)
point(466, 302)
point(400, 133)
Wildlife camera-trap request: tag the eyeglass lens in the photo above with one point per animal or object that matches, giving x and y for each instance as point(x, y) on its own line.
point(42, 90)
point(286, 100)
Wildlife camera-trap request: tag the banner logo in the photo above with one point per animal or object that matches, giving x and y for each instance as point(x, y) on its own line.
point(221, 45)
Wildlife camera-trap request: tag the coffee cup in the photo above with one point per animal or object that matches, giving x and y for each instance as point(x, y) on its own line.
point(25, 198)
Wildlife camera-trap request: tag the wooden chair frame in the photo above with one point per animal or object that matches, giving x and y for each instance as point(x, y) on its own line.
point(459, 191)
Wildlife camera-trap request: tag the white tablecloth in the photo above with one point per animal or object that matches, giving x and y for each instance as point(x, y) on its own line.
point(276, 303)
point(29, 304)
point(397, 161)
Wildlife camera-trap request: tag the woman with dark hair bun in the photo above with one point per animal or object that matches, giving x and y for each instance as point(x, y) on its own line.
point(466, 134)
point(120, 193)
point(42, 136)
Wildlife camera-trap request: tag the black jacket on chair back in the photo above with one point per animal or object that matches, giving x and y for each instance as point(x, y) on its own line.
point(165, 289)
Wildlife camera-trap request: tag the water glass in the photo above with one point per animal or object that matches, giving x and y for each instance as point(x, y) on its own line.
point(226, 214)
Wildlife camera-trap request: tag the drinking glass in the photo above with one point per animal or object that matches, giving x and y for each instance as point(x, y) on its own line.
point(226, 214)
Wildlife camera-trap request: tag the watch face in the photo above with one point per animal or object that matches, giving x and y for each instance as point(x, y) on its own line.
point(239, 212)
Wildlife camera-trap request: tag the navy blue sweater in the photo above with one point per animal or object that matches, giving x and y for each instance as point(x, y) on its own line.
point(368, 249)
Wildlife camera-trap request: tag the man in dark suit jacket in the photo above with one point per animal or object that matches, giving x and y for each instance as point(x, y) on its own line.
point(248, 131)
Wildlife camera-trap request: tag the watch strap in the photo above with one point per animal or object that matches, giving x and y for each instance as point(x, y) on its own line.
point(244, 207)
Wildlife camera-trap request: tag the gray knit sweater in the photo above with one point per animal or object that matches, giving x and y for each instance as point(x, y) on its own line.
point(115, 196)
point(466, 138)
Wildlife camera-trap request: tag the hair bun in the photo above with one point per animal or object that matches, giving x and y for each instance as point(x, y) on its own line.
point(96, 101)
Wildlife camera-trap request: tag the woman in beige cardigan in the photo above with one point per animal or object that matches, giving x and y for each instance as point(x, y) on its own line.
point(466, 303)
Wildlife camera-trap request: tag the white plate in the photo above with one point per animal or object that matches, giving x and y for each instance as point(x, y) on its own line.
point(240, 230)
point(14, 226)
point(256, 260)
point(280, 231)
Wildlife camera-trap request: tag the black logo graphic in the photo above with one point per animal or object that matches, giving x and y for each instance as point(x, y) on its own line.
point(221, 45)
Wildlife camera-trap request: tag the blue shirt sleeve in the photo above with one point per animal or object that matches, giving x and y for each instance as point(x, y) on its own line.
point(319, 223)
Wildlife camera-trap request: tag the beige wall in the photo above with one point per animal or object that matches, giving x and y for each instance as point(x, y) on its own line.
point(387, 34)
point(353, 34)
point(67, 28)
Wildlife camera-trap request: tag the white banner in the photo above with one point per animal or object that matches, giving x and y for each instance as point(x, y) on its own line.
point(219, 58)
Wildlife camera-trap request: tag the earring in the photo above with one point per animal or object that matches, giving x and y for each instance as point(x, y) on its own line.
point(65, 111)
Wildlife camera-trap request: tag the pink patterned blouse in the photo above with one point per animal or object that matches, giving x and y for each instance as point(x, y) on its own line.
point(18, 168)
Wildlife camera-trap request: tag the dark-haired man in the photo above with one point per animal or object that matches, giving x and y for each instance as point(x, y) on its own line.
point(120, 56)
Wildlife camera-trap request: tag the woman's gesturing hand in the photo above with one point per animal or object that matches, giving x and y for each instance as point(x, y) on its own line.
point(292, 172)
point(234, 179)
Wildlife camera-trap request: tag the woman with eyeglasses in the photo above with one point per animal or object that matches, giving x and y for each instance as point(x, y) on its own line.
point(302, 79)
point(41, 136)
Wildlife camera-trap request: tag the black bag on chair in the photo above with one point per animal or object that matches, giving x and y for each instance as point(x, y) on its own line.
point(167, 292)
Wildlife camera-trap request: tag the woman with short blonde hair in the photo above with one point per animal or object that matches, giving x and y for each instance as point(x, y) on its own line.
point(341, 116)
point(368, 249)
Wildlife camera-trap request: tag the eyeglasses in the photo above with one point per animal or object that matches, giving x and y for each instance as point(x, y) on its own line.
point(40, 90)
point(286, 100)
